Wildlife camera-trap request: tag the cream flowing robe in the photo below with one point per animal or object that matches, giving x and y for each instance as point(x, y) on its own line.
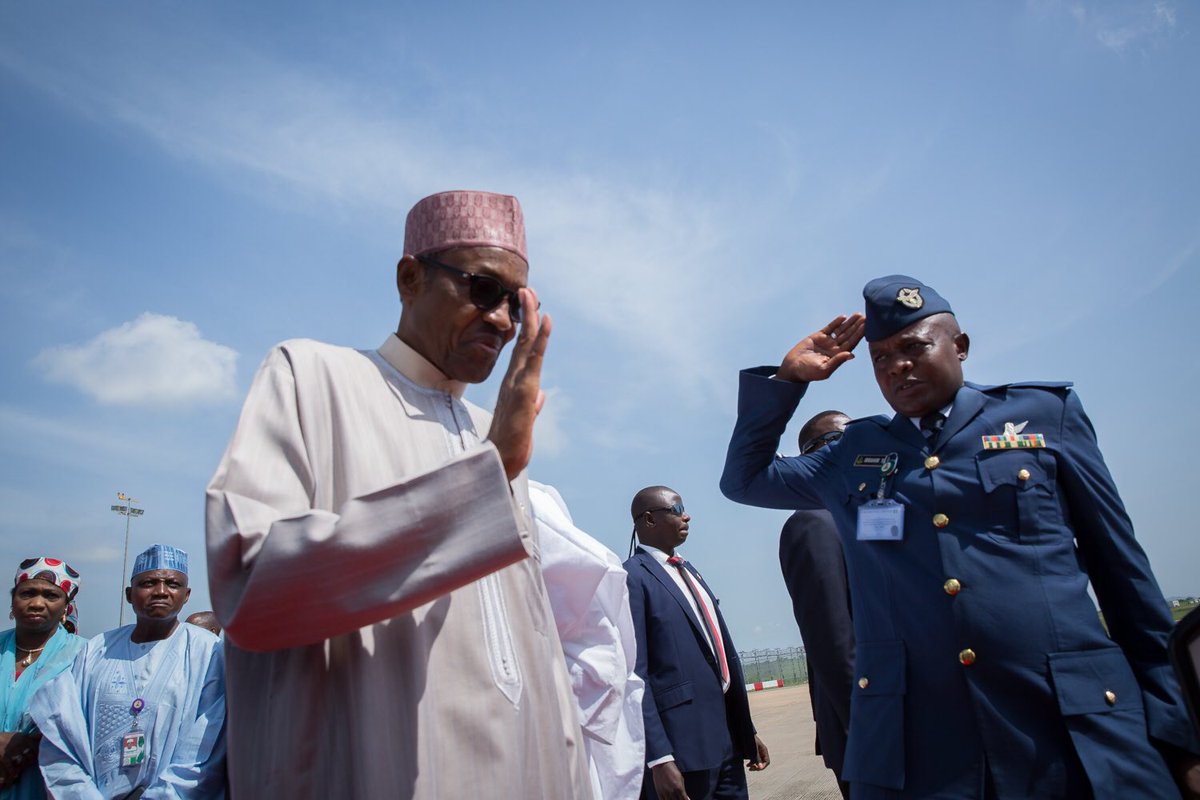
point(389, 633)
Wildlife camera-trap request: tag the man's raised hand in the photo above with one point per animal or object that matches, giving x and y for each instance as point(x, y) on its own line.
point(817, 355)
point(521, 396)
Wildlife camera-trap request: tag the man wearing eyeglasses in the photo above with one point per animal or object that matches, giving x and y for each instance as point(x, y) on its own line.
point(814, 569)
point(974, 521)
point(362, 493)
point(696, 713)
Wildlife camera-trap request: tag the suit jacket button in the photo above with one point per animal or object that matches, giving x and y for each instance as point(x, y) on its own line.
point(966, 657)
point(940, 520)
point(1110, 697)
point(952, 586)
point(1023, 475)
point(932, 462)
point(863, 682)
point(862, 486)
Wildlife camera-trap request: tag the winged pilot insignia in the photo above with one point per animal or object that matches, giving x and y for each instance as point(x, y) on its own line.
point(910, 298)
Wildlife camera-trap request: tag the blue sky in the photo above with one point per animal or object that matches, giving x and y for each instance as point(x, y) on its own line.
point(185, 185)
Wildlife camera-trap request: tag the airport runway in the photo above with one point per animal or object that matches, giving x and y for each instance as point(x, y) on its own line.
point(784, 721)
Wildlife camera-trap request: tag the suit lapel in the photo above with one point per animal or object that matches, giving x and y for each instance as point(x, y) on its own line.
point(967, 405)
point(655, 569)
point(721, 629)
point(901, 427)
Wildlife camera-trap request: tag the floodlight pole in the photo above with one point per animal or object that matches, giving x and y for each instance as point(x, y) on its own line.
point(127, 511)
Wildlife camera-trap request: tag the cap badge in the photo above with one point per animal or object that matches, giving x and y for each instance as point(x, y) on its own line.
point(911, 298)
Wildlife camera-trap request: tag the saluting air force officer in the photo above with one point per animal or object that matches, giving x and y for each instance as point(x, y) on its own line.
point(972, 521)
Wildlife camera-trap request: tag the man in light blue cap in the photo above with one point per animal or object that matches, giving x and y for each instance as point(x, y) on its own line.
point(161, 556)
point(142, 711)
point(973, 521)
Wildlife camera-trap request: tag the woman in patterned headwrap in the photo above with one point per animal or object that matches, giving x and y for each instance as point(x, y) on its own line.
point(33, 652)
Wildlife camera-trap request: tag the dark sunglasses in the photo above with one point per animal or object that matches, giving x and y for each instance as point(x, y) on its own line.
point(484, 291)
point(674, 508)
point(815, 444)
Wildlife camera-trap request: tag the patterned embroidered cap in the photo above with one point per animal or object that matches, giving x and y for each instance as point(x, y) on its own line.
point(465, 219)
point(896, 301)
point(160, 556)
point(54, 570)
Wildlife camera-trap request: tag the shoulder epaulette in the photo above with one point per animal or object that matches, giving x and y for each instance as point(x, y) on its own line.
point(879, 419)
point(1023, 385)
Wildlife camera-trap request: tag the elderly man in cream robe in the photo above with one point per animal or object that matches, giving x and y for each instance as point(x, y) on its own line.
point(361, 494)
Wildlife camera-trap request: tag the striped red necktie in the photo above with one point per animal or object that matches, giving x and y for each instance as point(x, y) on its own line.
point(714, 631)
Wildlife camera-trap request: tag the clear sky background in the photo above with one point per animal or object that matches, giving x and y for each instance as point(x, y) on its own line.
point(185, 184)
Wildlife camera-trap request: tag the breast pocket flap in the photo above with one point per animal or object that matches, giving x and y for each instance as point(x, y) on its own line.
point(1019, 468)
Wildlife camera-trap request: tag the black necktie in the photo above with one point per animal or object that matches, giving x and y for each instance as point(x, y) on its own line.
point(931, 426)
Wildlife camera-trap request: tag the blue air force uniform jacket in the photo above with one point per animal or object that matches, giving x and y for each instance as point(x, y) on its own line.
point(979, 650)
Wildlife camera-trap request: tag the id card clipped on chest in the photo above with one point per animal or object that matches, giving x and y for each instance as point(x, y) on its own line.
point(133, 743)
point(133, 748)
point(882, 519)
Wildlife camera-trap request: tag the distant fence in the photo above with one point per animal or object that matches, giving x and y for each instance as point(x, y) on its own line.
point(786, 663)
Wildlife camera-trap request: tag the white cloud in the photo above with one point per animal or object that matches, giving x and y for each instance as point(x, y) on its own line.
point(638, 262)
point(155, 360)
point(636, 255)
point(1121, 25)
point(549, 436)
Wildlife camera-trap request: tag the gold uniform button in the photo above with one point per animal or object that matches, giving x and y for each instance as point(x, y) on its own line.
point(940, 520)
point(862, 486)
point(952, 587)
point(1023, 475)
point(1110, 697)
point(864, 683)
point(932, 462)
point(966, 657)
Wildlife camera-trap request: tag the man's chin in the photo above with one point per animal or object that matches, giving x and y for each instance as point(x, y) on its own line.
point(159, 614)
point(472, 370)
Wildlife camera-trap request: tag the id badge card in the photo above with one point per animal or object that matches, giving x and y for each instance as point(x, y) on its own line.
point(880, 521)
point(133, 748)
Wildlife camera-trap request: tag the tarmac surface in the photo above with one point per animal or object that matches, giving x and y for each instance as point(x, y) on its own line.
point(785, 724)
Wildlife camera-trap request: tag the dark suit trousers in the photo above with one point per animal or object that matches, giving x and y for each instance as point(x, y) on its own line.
point(727, 782)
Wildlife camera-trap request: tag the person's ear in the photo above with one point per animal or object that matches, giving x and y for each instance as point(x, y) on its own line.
point(962, 344)
point(410, 277)
point(129, 595)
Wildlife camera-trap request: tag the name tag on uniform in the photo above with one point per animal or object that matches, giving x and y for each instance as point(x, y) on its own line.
point(880, 521)
point(866, 460)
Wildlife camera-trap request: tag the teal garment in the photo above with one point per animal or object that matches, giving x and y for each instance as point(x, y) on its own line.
point(15, 694)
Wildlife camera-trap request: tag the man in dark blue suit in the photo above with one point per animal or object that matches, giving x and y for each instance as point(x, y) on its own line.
point(814, 569)
point(972, 523)
point(697, 715)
